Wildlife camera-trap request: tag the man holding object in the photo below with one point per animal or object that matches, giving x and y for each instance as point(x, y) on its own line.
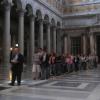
point(16, 60)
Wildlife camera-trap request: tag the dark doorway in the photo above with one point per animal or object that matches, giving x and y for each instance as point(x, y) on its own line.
point(98, 47)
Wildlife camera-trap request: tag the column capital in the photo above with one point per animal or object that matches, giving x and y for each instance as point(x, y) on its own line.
point(7, 4)
point(21, 12)
point(32, 17)
point(59, 28)
point(45, 21)
point(41, 21)
point(54, 27)
point(83, 34)
point(65, 35)
point(48, 24)
point(91, 33)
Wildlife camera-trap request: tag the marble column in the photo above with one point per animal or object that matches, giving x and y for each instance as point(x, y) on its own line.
point(6, 36)
point(21, 31)
point(84, 44)
point(41, 33)
point(32, 38)
point(13, 40)
point(65, 45)
point(54, 39)
point(48, 38)
point(92, 46)
point(95, 45)
point(59, 41)
point(28, 52)
point(69, 44)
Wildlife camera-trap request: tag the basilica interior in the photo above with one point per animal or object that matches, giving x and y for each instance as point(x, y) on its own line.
point(61, 26)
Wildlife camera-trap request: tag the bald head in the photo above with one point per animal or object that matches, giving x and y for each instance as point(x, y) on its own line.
point(16, 50)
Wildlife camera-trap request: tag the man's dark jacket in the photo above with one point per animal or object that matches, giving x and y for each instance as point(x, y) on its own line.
point(17, 67)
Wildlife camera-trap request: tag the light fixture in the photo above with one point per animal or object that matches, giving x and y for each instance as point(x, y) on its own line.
point(11, 49)
point(16, 45)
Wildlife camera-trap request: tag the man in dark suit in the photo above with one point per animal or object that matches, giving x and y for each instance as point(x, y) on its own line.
point(16, 60)
point(45, 65)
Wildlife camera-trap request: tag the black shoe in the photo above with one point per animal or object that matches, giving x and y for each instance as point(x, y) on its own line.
point(11, 84)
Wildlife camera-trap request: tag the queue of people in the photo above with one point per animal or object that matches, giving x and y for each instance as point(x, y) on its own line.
point(53, 65)
point(47, 65)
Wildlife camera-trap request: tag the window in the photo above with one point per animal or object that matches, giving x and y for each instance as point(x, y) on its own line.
point(76, 45)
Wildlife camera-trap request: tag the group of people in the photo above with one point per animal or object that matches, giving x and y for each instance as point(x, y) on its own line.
point(47, 65)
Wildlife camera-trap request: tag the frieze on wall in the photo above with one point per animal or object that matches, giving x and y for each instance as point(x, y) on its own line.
point(77, 6)
point(75, 30)
point(95, 29)
point(85, 30)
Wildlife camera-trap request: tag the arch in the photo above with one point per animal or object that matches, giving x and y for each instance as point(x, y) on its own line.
point(1, 8)
point(38, 14)
point(1, 1)
point(46, 18)
point(53, 22)
point(29, 10)
point(58, 24)
point(18, 4)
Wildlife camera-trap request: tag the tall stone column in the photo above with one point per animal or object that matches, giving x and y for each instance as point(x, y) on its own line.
point(48, 38)
point(54, 39)
point(6, 35)
point(41, 33)
point(69, 44)
point(92, 45)
point(28, 52)
point(32, 38)
point(59, 41)
point(84, 44)
point(95, 44)
point(65, 44)
point(21, 31)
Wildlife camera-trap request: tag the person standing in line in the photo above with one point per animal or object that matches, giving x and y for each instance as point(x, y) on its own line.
point(52, 61)
point(45, 65)
point(16, 60)
point(36, 69)
point(76, 63)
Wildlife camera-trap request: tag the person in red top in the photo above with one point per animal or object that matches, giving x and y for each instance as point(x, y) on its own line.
point(52, 59)
point(69, 61)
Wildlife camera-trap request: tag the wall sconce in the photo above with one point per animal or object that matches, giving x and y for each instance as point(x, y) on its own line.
point(16, 45)
point(11, 49)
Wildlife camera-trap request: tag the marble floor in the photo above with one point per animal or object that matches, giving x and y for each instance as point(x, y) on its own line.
point(82, 85)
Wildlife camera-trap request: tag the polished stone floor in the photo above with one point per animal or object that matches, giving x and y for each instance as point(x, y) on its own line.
point(82, 85)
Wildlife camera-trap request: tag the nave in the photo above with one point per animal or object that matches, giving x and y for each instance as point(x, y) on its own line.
point(82, 85)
